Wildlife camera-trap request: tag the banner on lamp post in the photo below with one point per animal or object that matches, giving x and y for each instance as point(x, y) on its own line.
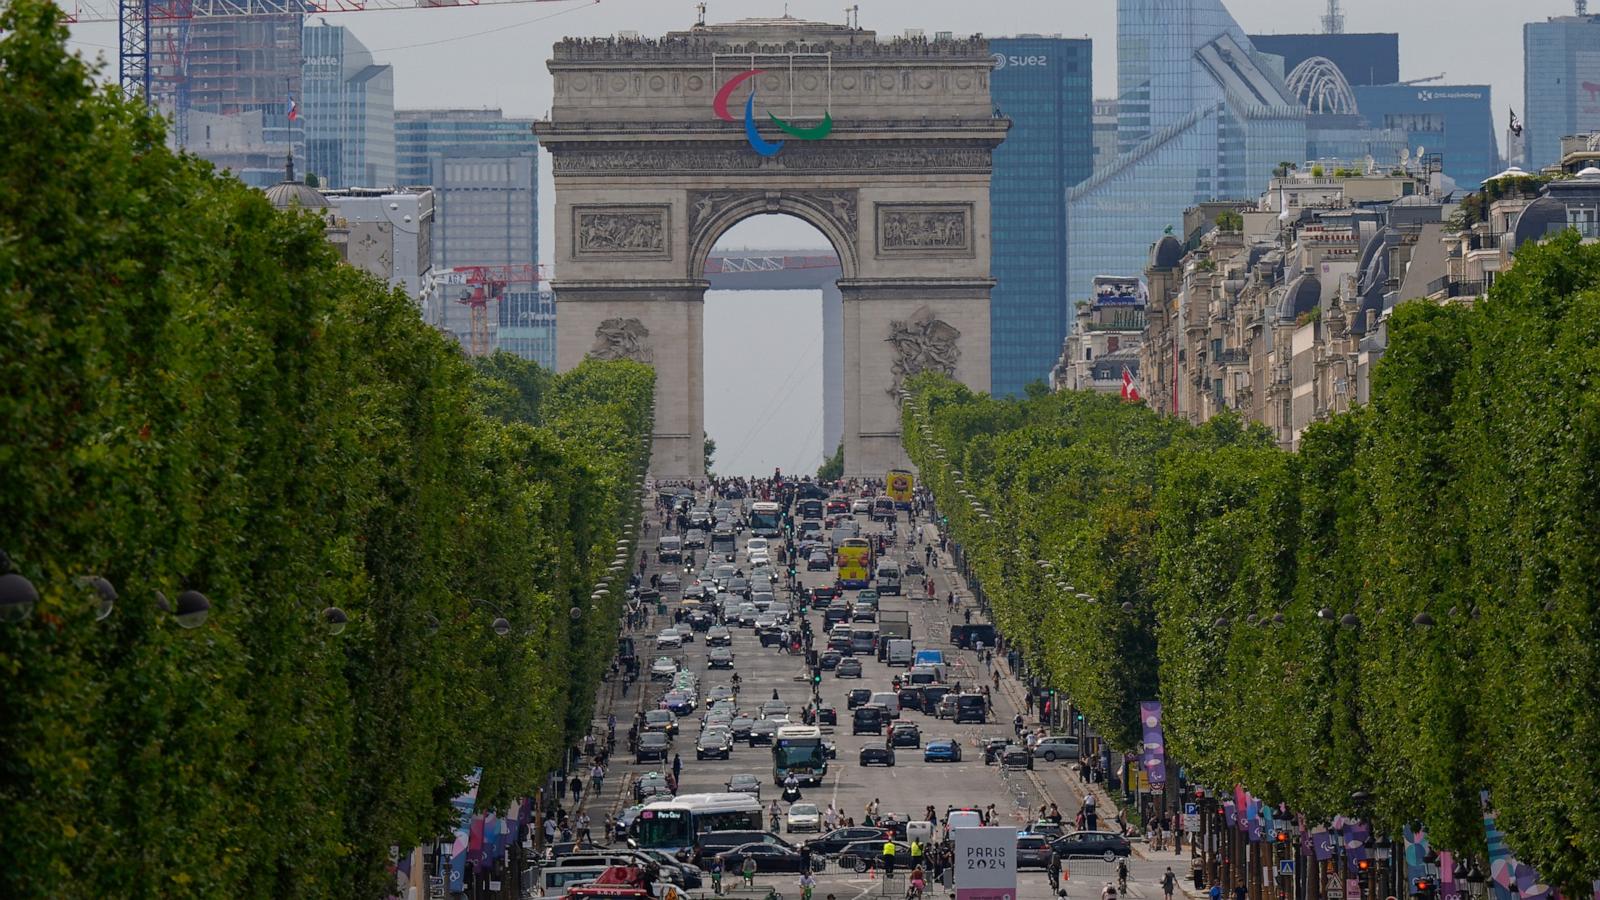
point(1154, 759)
point(986, 863)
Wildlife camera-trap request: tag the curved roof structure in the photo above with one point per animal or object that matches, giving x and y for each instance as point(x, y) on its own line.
point(1322, 88)
point(1537, 219)
point(1302, 296)
point(1167, 253)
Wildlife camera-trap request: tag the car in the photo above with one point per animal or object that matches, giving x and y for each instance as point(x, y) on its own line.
point(827, 715)
point(824, 594)
point(671, 582)
point(857, 697)
point(848, 667)
point(719, 658)
point(717, 742)
point(866, 855)
point(860, 505)
point(762, 730)
point(867, 597)
point(1054, 747)
point(905, 734)
point(1106, 845)
point(942, 750)
point(772, 709)
point(876, 753)
point(650, 784)
point(1033, 851)
point(747, 615)
point(739, 586)
point(970, 708)
point(768, 858)
point(946, 707)
point(819, 561)
point(740, 726)
point(769, 635)
point(802, 817)
point(1050, 828)
point(670, 549)
point(759, 558)
point(829, 659)
point(719, 636)
point(653, 747)
point(744, 784)
point(992, 748)
point(700, 620)
point(767, 622)
point(679, 703)
point(864, 614)
point(838, 839)
point(663, 669)
point(661, 720)
point(694, 539)
point(718, 693)
point(914, 566)
point(718, 718)
point(669, 639)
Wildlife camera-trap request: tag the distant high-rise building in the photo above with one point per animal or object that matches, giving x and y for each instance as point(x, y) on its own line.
point(1201, 115)
point(527, 325)
point(1561, 84)
point(226, 84)
point(484, 169)
point(1455, 121)
point(1042, 83)
point(348, 110)
point(1363, 58)
point(1105, 131)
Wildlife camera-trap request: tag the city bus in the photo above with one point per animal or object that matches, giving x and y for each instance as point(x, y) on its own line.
point(798, 750)
point(766, 519)
point(672, 825)
point(854, 557)
point(899, 484)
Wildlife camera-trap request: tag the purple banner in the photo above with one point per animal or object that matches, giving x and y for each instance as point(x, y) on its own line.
point(1416, 844)
point(1508, 879)
point(1447, 875)
point(1230, 813)
point(463, 805)
point(1253, 829)
point(1322, 843)
point(1355, 840)
point(1155, 751)
point(1241, 806)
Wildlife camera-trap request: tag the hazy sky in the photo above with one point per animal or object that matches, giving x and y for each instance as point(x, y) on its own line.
point(494, 56)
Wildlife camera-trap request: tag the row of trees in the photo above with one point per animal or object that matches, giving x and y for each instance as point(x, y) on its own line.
point(1408, 606)
point(196, 395)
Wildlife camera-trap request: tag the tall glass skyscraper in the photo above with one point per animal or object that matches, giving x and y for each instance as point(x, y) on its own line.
point(1200, 116)
point(1043, 85)
point(348, 108)
point(1454, 120)
point(1561, 81)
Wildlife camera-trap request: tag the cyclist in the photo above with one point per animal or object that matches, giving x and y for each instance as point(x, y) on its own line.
point(1122, 875)
point(918, 883)
point(807, 882)
point(772, 815)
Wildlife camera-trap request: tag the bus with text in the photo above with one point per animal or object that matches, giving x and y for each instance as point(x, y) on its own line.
point(900, 484)
point(672, 825)
point(798, 750)
point(854, 558)
point(766, 519)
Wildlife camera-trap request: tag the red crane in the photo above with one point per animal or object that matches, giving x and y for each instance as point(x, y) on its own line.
point(483, 284)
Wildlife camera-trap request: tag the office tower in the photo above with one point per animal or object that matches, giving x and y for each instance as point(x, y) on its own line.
point(1363, 58)
point(1561, 84)
point(1105, 131)
point(1201, 115)
point(1455, 121)
point(348, 110)
point(1042, 83)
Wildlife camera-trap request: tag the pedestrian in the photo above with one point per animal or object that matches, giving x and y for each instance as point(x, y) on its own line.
point(597, 775)
point(916, 853)
point(677, 767)
point(549, 829)
point(1169, 881)
point(583, 827)
point(1215, 893)
point(716, 875)
point(749, 871)
point(576, 788)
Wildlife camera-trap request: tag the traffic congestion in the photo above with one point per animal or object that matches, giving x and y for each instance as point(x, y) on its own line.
point(808, 702)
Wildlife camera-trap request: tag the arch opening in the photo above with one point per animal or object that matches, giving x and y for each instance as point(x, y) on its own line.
point(773, 343)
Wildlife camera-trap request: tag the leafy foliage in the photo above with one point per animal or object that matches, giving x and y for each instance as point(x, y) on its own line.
point(196, 394)
point(1280, 603)
point(832, 468)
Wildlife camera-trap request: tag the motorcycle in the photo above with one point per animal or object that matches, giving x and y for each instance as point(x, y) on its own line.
point(791, 794)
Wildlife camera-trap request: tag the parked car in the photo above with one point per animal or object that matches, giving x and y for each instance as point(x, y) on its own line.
point(745, 784)
point(876, 753)
point(1106, 845)
point(848, 667)
point(942, 751)
point(802, 817)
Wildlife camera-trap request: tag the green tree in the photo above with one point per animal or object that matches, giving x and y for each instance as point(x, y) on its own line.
point(832, 468)
point(710, 447)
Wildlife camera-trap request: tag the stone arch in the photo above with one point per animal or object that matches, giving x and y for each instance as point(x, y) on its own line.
point(833, 213)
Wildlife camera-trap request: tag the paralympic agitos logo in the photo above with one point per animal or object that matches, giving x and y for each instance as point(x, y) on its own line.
point(762, 146)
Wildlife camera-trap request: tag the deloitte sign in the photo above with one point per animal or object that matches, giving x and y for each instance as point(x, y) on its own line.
point(1013, 61)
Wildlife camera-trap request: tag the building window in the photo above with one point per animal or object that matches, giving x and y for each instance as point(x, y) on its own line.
point(1088, 353)
point(1111, 344)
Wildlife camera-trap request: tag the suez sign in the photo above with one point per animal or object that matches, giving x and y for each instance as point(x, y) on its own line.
point(1005, 61)
point(986, 863)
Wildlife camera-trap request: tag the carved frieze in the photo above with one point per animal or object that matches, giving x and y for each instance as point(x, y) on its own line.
point(925, 229)
point(631, 231)
point(922, 343)
point(813, 158)
point(622, 339)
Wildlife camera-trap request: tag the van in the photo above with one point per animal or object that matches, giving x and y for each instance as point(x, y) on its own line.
point(970, 708)
point(670, 549)
point(864, 638)
point(968, 637)
point(900, 652)
point(889, 578)
point(889, 700)
point(868, 719)
point(963, 818)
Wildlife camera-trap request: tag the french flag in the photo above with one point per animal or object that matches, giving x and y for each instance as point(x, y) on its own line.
point(294, 109)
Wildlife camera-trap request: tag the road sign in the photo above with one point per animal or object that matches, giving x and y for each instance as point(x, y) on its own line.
point(1335, 890)
point(985, 863)
point(1191, 818)
point(1285, 867)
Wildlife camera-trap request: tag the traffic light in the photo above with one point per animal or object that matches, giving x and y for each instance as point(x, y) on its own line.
point(1281, 836)
point(1363, 869)
point(816, 676)
point(1424, 888)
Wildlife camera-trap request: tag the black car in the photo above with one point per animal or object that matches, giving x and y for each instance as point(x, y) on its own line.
point(653, 746)
point(829, 659)
point(719, 658)
point(819, 561)
point(711, 843)
point(714, 742)
point(822, 596)
point(971, 708)
point(835, 614)
point(858, 697)
point(992, 748)
point(836, 840)
point(864, 855)
point(827, 715)
point(1033, 851)
point(719, 636)
point(849, 667)
point(876, 753)
point(761, 732)
point(694, 539)
point(768, 857)
point(1106, 845)
point(905, 734)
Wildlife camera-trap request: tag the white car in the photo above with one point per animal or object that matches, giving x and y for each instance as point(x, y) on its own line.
point(759, 558)
point(756, 544)
point(663, 668)
point(803, 817)
point(669, 638)
point(861, 505)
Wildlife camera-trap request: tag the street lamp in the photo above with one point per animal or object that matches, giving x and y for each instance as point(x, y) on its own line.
point(335, 620)
point(104, 592)
point(193, 608)
point(1325, 614)
point(1349, 620)
point(17, 597)
point(1423, 620)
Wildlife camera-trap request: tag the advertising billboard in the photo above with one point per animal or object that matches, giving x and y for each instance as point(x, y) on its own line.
point(986, 863)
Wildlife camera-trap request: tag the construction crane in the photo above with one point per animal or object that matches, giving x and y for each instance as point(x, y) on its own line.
point(481, 285)
point(1333, 21)
point(134, 19)
point(1438, 77)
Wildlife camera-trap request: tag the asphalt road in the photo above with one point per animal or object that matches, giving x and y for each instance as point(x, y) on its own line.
point(906, 788)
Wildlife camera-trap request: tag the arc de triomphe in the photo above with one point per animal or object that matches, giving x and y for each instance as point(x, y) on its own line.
point(661, 145)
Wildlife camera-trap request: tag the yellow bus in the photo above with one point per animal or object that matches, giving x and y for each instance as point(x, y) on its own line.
point(855, 563)
point(898, 484)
